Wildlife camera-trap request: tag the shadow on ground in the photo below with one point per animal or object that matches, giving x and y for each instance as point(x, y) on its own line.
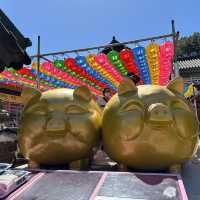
point(191, 177)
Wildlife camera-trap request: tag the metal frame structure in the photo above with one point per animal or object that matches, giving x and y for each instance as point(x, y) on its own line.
point(173, 34)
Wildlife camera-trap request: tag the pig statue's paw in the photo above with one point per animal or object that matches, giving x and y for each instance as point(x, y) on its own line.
point(123, 168)
point(33, 165)
point(79, 164)
point(175, 169)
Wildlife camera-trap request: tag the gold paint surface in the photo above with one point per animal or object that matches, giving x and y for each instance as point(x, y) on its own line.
point(150, 127)
point(59, 126)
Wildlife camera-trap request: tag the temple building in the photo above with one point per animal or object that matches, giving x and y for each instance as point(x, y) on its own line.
point(189, 68)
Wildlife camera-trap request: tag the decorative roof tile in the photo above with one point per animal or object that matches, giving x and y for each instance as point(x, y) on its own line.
point(189, 63)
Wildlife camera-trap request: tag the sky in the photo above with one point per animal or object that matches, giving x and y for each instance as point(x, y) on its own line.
point(73, 24)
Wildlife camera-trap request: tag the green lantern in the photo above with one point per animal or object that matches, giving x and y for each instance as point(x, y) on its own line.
point(59, 63)
point(124, 73)
point(120, 65)
point(92, 84)
point(73, 73)
point(113, 56)
point(65, 69)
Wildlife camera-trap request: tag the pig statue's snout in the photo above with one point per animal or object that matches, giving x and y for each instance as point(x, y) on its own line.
point(56, 123)
point(159, 112)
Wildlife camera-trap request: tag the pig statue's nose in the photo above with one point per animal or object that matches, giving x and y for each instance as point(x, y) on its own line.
point(56, 123)
point(159, 112)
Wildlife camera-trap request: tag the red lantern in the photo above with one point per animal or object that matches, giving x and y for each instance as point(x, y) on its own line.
point(126, 55)
point(69, 62)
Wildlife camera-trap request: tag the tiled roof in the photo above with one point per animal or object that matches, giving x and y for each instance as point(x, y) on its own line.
point(189, 63)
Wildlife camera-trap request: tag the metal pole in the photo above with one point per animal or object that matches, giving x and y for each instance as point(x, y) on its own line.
point(46, 59)
point(38, 64)
point(175, 39)
point(173, 32)
point(103, 46)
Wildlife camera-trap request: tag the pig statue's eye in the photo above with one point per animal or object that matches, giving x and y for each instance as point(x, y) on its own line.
point(39, 112)
point(36, 110)
point(180, 105)
point(75, 110)
point(132, 106)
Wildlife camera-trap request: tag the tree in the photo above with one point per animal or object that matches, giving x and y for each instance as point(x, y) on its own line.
point(189, 46)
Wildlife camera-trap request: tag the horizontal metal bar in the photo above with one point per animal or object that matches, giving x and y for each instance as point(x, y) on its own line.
point(46, 59)
point(103, 46)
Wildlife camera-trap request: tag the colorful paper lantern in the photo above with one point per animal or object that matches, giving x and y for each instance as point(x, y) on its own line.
point(166, 54)
point(105, 63)
point(152, 51)
point(96, 66)
point(113, 57)
point(126, 56)
point(141, 61)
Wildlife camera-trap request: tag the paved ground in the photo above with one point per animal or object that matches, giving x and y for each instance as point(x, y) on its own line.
point(190, 173)
point(191, 177)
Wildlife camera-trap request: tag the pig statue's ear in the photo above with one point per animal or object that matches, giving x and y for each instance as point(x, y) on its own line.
point(126, 86)
point(29, 93)
point(82, 93)
point(176, 85)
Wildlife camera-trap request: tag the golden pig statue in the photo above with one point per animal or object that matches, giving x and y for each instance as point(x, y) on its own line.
point(58, 126)
point(150, 127)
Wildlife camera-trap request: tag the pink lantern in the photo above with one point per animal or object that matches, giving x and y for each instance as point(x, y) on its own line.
point(46, 65)
point(166, 52)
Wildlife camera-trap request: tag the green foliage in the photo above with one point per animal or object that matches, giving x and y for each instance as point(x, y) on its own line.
point(189, 46)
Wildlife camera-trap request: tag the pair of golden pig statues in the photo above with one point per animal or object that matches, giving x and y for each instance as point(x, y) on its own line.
point(147, 127)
